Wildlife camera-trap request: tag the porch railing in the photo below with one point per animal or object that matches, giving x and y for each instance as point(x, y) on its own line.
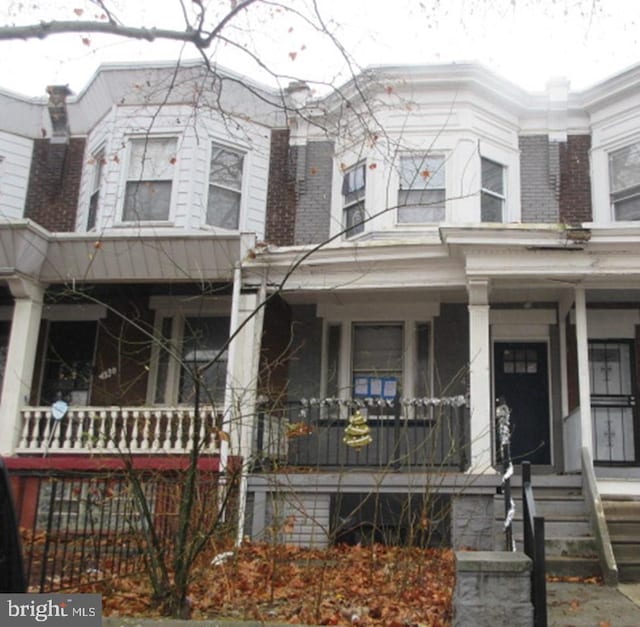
point(101, 430)
point(405, 434)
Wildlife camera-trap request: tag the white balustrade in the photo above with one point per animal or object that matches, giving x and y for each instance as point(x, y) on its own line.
point(113, 430)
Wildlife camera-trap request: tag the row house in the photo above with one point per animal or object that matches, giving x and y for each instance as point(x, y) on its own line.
point(363, 275)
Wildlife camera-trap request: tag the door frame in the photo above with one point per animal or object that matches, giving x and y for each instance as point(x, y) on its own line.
point(505, 338)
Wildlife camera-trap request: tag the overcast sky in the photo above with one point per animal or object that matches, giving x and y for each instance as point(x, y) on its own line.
point(526, 41)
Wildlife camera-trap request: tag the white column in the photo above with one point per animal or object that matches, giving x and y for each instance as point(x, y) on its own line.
point(480, 396)
point(582, 341)
point(21, 355)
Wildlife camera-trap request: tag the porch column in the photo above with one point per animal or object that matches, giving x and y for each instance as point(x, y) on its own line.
point(21, 355)
point(242, 369)
point(582, 341)
point(479, 376)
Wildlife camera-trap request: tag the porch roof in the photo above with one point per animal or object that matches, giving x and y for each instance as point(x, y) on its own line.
point(140, 255)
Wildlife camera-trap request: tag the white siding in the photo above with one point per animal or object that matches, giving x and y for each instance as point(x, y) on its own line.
point(15, 162)
point(195, 131)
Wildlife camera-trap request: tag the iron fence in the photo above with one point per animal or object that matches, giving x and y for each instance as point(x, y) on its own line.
point(83, 527)
point(404, 434)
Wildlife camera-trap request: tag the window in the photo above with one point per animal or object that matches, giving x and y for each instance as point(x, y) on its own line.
point(149, 179)
point(624, 180)
point(225, 187)
point(492, 195)
point(353, 192)
point(198, 340)
point(96, 182)
point(377, 359)
point(421, 197)
point(68, 362)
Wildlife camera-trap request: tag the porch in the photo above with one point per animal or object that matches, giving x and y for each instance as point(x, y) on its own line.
point(395, 433)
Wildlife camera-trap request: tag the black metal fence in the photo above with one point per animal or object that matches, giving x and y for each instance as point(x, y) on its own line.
point(85, 527)
point(534, 548)
point(405, 434)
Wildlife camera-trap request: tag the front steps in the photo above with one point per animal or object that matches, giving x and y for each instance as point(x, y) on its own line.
point(570, 547)
point(623, 521)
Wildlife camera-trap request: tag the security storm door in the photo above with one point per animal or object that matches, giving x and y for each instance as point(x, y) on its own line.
point(612, 402)
point(521, 378)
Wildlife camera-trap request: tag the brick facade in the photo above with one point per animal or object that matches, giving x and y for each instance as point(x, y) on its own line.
point(575, 180)
point(54, 184)
point(539, 178)
point(314, 178)
point(281, 195)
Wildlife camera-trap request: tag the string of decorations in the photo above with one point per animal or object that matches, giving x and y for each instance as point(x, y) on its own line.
point(361, 403)
point(503, 415)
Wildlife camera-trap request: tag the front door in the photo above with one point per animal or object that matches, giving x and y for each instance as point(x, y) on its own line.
point(612, 402)
point(521, 378)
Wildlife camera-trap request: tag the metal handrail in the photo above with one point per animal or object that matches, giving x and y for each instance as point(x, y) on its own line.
point(534, 547)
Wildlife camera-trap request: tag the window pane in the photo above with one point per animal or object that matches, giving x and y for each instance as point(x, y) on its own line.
point(377, 348)
point(226, 167)
point(492, 177)
point(422, 355)
point(421, 206)
point(333, 359)
point(147, 200)
point(627, 209)
point(353, 181)
point(202, 342)
point(152, 159)
point(491, 208)
point(624, 168)
point(421, 172)
point(223, 207)
point(353, 218)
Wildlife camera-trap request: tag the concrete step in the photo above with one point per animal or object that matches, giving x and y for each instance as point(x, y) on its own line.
point(573, 566)
point(626, 547)
point(628, 570)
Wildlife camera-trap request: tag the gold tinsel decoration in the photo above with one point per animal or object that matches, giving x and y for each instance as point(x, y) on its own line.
point(357, 433)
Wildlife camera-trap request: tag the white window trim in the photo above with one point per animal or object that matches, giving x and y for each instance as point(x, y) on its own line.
point(484, 190)
point(124, 178)
point(96, 183)
point(178, 309)
point(345, 316)
point(244, 188)
point(344, 205)
point(434, 154)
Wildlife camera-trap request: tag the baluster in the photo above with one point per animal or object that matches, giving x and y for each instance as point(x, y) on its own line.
point(144, 445)
point(168, 415)
point(105, 436)
point(68, 439)
point(25, 440)
point(202, 432)
point(135, 416)
point(121, 417)
point(190, 416)
point(82, 438)
point(47, 428)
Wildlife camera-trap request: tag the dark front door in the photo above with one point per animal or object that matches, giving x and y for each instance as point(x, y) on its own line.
point(521, 378)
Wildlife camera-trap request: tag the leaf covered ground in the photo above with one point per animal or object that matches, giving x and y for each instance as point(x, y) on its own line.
point(342, 585)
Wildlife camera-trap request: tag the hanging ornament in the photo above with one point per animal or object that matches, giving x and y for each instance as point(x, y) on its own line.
point(357, 433)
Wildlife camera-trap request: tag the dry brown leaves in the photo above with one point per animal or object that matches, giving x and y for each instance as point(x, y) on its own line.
point(374, 585)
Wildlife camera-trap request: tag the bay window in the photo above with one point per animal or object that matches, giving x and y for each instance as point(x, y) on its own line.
point(422, 190)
